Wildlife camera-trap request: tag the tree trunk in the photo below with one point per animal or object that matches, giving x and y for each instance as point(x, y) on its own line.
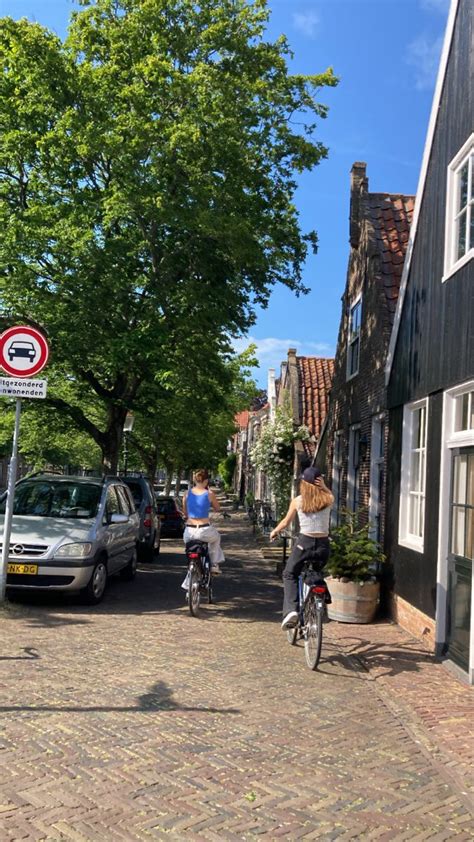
point(178, 482)
point(111, 439)
point(151, 462)
point(169, 477)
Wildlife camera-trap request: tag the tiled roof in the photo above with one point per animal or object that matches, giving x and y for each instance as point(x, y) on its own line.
point(391, 216)
point(242, 419)
point(315, 375)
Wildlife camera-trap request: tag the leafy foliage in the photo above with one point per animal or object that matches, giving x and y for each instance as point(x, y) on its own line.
point(226, 469)
point(273, 453)
point(147, 175)
point(355, 556)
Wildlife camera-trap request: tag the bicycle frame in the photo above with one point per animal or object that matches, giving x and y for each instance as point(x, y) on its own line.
point(200, 579)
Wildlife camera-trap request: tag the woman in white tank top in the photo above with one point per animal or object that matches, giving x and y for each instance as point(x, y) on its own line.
point(313, 507)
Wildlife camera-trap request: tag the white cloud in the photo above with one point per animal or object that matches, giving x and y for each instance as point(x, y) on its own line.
point(423, 55)
point(435, 5)
point(306, 22)
point(272, 351)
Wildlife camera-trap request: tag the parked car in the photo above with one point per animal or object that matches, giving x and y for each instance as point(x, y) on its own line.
point(71, 533)
point(150, 523)
point(172, 518)
point(159, 489)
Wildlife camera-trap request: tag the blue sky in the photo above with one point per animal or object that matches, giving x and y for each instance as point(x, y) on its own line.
point(386, 54)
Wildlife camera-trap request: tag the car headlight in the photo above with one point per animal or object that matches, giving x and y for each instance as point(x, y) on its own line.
point(74, 551)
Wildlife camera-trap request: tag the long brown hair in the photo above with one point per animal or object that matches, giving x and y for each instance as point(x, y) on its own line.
point(313, 498)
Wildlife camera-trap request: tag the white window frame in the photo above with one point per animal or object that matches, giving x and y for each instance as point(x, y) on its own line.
point(351, 470)
point(352, 338)
point(405, 538)
point(337, 468)
point(451, 262)
point(379, 423)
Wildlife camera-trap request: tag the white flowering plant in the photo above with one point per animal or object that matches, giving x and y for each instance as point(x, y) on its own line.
point(273, 453)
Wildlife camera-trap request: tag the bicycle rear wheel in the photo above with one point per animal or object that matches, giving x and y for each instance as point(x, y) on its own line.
point(313, 633)
point(194, 596)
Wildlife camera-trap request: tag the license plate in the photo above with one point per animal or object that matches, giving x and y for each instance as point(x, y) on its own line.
point(27, 569)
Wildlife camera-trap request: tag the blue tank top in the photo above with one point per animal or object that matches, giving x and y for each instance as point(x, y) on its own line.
point(198, 505)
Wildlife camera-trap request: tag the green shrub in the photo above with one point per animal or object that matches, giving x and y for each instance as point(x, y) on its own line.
point(355, 556)
point(226, 469)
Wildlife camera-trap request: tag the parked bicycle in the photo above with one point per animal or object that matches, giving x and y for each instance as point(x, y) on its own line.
point(313, 596)
point(199, 578)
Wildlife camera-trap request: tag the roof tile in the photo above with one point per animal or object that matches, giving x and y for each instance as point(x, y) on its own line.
point(315, 376)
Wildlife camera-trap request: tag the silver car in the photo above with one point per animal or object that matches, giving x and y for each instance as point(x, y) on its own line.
point(71, 533)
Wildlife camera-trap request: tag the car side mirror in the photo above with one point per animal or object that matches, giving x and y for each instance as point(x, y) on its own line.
point(117, 518)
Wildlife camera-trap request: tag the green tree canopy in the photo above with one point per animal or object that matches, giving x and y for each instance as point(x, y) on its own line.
point(147, 179)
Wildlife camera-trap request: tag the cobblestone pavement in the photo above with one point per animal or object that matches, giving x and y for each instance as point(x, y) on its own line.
point(132, 720)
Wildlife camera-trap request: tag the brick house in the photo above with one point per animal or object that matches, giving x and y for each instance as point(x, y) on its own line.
point(352, 452)
point(307, 381)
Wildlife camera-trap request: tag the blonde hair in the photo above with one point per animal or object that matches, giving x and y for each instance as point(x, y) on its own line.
point(201, 475)
point(313, 498)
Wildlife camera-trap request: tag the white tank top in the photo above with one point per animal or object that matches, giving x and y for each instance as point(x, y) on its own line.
point(311, 522)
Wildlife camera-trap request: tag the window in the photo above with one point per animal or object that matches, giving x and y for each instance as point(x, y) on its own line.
point(460, 210)
point(353, 471)
point(464, 412)
point(337, 477)
point(124, 502)
point(377, 476)
point(353, 346)
point(413, 479)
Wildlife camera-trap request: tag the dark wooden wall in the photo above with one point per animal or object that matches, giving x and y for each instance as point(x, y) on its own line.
point(413, 574)
point(435, 347)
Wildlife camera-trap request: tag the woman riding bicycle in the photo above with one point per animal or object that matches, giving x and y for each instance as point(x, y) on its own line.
point(313, 507)
point(197, 503)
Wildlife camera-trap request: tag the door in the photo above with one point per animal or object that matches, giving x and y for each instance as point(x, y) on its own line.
point(461, 552)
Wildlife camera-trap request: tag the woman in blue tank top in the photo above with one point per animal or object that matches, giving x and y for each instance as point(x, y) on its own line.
point(197, 504)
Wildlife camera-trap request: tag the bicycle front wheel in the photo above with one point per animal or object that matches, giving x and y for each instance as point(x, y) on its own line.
point(292, 635)
point(194, 596)
point(313, 637)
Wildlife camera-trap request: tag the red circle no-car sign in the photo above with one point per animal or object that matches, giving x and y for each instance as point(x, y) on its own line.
point(23, 351)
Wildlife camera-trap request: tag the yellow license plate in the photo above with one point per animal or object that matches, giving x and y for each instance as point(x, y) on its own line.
point(28, 569)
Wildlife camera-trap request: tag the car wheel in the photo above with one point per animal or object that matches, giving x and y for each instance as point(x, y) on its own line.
point(130, 571)
point(95, 590)
point(146, 552)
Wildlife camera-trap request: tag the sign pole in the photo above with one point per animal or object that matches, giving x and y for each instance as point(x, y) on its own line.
point(9, 505)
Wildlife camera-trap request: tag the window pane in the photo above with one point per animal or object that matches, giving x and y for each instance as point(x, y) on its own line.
point(460, 476)
point(414, 514)
point(415, 471)
point(463, 186)
point(469, 548)
point(461, 238)
point(464, 402)
point(422, 517)
point(457, 543)
point(470, 480)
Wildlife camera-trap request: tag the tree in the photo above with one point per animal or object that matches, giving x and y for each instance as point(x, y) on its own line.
point(147, 174)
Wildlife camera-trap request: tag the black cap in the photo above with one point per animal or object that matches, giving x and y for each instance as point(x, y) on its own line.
point(311, 475)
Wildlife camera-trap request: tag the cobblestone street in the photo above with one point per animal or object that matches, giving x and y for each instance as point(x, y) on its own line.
point(133, 720)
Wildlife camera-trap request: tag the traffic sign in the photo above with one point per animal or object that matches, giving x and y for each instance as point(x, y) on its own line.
point(23, 351)
point(11, 388)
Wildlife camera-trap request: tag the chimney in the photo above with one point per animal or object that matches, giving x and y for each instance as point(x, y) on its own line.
point(359, 188)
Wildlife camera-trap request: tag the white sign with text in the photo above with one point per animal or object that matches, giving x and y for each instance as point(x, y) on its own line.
point(12, 388)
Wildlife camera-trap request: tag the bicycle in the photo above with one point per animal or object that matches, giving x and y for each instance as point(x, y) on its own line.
point(199, 573)
point(313, 595)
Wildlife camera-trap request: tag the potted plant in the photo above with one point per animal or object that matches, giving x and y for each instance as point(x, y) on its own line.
point(353, 568)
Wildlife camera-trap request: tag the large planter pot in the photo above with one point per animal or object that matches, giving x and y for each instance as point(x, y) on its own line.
point(353, 602)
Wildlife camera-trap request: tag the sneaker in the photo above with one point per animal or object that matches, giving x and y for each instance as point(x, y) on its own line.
point(215, 570)
point(290, 621)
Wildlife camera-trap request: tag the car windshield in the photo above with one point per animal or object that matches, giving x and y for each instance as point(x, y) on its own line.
point(49, 498)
